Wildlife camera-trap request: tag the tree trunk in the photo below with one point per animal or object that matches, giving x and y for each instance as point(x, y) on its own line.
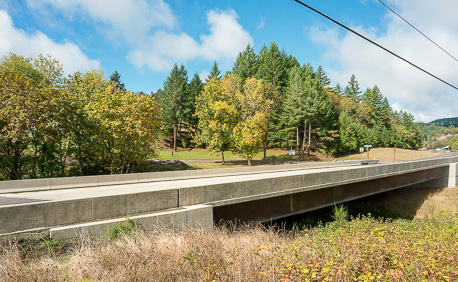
point(305, 136)
point(175, 137)
point(222, 155)
point(297, 140)
point(249, 162)
point(310, 139)
point(265, 145)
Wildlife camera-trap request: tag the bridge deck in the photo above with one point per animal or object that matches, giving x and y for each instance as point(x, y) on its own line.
point(251, 193)
point(124, 189)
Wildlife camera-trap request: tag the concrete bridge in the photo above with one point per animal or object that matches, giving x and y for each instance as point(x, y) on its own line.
point(91, 204)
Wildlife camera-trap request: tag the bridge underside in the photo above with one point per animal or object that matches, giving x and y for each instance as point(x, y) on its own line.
point(282, 206)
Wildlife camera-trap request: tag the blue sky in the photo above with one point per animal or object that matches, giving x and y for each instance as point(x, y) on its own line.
point(142, 39)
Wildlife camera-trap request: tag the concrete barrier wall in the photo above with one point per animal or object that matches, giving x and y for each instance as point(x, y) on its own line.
point(229, 193)
point(15, 186)
point(199, 215)
point(46, 214)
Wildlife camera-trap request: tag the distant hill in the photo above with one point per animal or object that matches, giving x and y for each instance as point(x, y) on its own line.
point(440, 132)
point(446, 122)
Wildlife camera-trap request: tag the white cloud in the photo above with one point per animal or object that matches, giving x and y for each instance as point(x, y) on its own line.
point(130, 19)
point(148, 28)
point(30, 45)
point(226, 38)
point(409, 88)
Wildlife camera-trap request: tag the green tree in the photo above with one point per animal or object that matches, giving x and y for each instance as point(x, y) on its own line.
point(374, 99)
point(21, 65)
point(215, 73)
point(338, 89)
point(322, 77)
point(246, 64)
point(217, 114)
point(253, 107)
point(115, 77)
point(271, 70)
point(293, 114)
point(116, 129)
point(173, 100)
point(34, 117)
point(195, 88)
point(454, 145)
point(352, 90)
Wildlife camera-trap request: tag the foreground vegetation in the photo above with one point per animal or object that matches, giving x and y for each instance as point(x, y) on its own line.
point(362, 249)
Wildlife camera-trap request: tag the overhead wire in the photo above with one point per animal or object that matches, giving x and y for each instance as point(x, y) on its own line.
point(374, 43)
point(417, 29)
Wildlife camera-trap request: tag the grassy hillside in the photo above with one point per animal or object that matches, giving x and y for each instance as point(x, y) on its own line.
point(388, 154)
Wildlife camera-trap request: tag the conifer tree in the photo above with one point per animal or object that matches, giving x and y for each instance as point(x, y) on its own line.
point(294, 110)
point(115, 77)
point(195, 87)
point(172, 100)
point(321, 75)
point(352, 90)
point(246, 64)
point(271, 70)
point(338, 89)
point(215, 73)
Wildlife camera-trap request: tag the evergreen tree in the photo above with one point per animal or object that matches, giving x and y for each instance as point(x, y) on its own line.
point(195, 88)
point(215, 73)
point(352, 90)
point(271, 70)
point(246, 64)
point(289, 63)
point(374, 99)
point(338, 89)
point(172, 100)
point(116, 78)
point(293, 113)
point(321, 75)
point(271, 66)
point(320, 114)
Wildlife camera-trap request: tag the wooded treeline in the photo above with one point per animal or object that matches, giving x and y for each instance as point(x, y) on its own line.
point(300, 108)
point(85, 124)
point(82, 124)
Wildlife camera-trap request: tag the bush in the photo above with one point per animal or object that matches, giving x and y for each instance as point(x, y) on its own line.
point(340, 213)
point(125, 228)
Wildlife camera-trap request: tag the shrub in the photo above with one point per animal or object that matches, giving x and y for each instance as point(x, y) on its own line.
point(127, 227)
point(340, 213)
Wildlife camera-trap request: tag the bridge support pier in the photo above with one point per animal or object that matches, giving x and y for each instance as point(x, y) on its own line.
point(452, 175)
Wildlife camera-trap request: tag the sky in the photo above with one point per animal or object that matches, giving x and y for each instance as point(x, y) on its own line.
point(143, 39)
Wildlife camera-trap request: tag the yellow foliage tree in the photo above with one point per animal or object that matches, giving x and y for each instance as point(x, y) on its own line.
point(253, 113)
point(233, 115)
point(216, 111)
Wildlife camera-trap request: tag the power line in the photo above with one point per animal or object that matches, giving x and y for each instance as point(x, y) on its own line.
point(374, 43)
point(417, 29)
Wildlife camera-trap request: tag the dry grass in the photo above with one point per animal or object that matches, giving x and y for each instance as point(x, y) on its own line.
point(362, 249)
point(388, 155)
point(443, 202)
point(167, 255)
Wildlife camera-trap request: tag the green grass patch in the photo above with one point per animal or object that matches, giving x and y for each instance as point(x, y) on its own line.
point(204, 154)
point(124, 228)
